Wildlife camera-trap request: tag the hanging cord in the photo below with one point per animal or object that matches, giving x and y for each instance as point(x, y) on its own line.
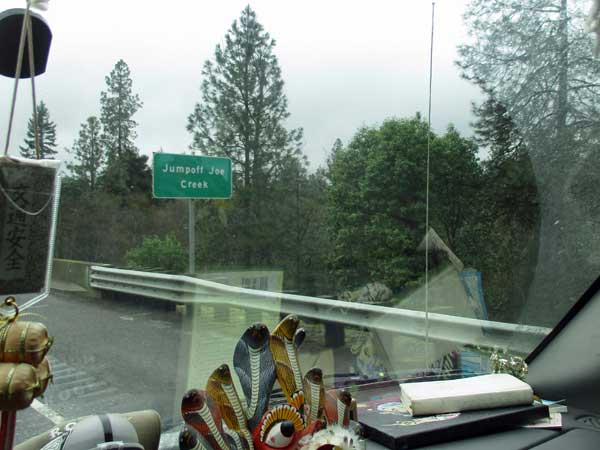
point(17, 76)
point(36, 131)
point(26, 30)
point(24, 211)
point(427, 195)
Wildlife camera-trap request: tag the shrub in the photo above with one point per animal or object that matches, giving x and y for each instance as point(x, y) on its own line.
point(156, 253)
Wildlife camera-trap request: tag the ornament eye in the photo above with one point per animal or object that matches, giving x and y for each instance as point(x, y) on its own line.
point(277, 415)
point(281, 434)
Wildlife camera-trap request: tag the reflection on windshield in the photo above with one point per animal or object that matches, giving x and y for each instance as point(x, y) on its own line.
point(327, 218)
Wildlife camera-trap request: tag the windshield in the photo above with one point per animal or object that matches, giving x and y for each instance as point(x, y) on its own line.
point(419, 197)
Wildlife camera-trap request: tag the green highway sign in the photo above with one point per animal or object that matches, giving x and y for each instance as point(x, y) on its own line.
point(188, 176)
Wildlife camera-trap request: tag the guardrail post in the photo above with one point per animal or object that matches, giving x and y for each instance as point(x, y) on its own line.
point(335, 334)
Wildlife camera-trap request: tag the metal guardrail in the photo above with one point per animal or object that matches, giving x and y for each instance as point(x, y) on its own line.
point(441, 327)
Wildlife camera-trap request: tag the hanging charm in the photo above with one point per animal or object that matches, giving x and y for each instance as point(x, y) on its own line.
point(28, 188)
point(505, 363)
point(11, 25)
point(217, 419)
point(24, 369)
point(11, 301)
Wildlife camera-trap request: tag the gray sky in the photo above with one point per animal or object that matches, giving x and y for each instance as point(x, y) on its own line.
point(345, 64)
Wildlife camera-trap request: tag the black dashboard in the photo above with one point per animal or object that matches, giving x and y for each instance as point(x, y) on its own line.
point(580, 430)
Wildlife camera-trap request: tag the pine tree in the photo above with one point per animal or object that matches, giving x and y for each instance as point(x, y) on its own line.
point(503, 234)
point(241, 116)
point(46, 135)
point(118, 106)
point(535, 58)
point(243, 104)
point(511, 185)
point(88, 153)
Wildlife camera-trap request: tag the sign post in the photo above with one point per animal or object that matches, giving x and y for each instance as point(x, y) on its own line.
point(192, 237)
point(190, 177)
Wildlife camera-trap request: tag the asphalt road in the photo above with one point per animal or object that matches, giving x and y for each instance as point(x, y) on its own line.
point(121, 355)
point(108, 356)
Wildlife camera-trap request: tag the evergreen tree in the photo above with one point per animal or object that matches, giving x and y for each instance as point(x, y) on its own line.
point(503, 234)
point(510, 180)
point(241, 115)
point(336, 148)
point(535, 58)
point(296, 228)
point(118, 106)
point(88, 153)
point(46, 135)
point(139, 174)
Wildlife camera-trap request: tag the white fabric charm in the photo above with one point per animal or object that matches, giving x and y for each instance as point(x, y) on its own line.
point(39, 4)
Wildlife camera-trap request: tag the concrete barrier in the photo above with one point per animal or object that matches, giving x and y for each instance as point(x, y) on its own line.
point(73, 276)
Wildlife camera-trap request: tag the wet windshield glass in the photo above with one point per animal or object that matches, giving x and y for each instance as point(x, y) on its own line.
point(412, 235)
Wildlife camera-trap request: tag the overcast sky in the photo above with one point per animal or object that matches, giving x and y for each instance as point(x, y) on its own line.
point(345, 64)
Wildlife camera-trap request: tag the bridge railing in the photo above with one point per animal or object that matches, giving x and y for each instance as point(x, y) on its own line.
point(516, 338)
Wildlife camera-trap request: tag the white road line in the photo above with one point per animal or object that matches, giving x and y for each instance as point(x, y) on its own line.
point(40, 305)
point(47, 412)
point(160, 324)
